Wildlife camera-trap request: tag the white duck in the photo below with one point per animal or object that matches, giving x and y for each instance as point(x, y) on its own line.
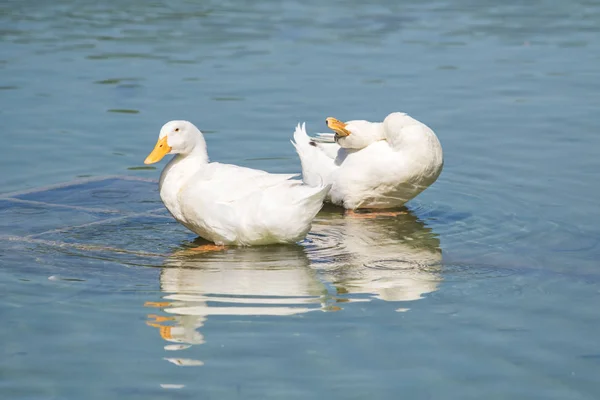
point(227, 204)
point(371, 165)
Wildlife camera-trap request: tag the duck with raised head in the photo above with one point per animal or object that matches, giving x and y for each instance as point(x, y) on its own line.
point(228, 204)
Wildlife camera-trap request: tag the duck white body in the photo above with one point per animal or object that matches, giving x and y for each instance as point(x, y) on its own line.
point(227, 204)
point(373, 165)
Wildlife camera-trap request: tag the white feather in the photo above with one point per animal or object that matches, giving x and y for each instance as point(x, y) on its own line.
point(317, 162)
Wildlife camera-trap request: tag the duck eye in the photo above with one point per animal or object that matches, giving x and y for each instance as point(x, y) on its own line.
point(176, 129)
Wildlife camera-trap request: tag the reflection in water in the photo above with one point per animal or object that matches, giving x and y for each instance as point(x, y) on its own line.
point(392, 259)
point(273, 280)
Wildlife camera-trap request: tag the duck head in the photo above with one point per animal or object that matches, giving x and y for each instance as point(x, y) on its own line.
point(176, 137)
point(356, 134)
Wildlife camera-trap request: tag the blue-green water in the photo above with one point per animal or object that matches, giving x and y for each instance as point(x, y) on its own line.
point(487, 288)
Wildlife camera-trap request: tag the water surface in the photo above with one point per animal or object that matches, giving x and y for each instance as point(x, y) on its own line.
point(486, 286)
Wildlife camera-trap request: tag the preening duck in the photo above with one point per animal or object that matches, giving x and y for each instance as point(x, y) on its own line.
point(371, 165)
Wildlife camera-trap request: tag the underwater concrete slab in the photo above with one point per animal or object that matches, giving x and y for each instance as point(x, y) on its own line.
point(117, 194)
point(29, 218)
point(109, 214)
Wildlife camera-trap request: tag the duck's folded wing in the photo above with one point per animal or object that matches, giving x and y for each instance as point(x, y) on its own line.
point(219, 171)
point(226, 183)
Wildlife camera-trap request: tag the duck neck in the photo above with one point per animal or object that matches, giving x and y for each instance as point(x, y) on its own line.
point(176, 175)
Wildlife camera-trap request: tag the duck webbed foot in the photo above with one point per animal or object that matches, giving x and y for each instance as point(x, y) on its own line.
point(369, 214)
point(206, 248)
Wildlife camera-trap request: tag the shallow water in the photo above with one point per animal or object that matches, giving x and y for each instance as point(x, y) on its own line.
point(487, 286)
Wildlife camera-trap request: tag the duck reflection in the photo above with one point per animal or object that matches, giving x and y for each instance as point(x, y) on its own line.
point(272, 280)
point(392, 259)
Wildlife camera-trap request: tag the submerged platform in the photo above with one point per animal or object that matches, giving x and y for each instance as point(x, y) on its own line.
point(113, 214)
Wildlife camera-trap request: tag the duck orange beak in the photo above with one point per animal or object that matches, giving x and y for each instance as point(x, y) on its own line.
point(337, 126)
point(160, 150)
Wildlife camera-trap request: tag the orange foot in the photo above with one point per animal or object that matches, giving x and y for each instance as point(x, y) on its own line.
point(373, 214)
point(206, 248)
